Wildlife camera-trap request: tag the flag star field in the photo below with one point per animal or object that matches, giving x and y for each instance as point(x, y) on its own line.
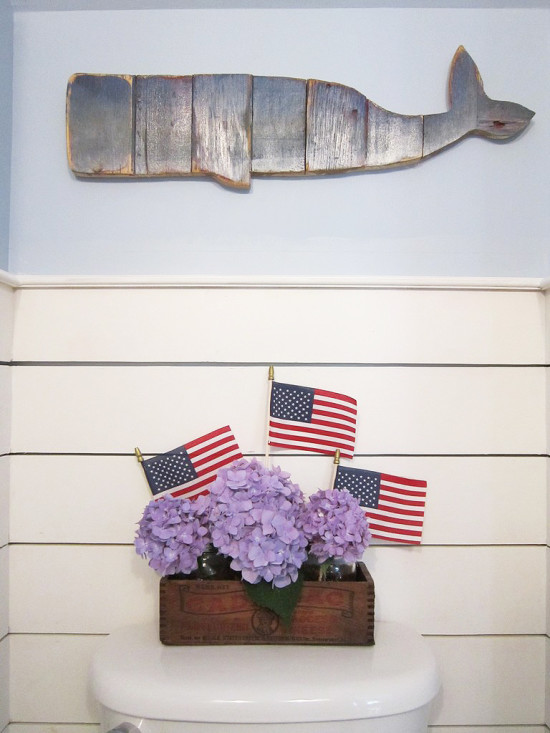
point(190, 469)
point(364, 485)
point(169, 470)
point(290, 402)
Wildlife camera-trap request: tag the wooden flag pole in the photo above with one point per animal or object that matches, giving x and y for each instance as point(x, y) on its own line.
point(335, 467)
point(270, 378)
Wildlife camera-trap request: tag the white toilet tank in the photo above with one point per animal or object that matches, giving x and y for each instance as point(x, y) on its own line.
point(385, 688)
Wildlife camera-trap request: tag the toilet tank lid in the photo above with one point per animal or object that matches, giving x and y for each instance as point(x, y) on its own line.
point(134, 674)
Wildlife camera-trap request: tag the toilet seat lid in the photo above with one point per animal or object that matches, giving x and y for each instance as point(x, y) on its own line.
point(134, 674)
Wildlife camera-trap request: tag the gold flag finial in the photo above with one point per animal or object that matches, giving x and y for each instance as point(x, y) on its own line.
point(336, 463)
point(271, 376)
point(138, 455)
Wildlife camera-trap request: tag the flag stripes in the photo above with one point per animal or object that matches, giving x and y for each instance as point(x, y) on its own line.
point(202, 458)
point(207, 460)
point(399, 515)
point(393, 505)
point(282, 430)
point(317, 420)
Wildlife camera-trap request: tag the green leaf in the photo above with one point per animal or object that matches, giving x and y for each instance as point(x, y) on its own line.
point(281, 601)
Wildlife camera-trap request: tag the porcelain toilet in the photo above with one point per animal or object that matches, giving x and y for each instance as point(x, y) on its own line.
point(385, 688)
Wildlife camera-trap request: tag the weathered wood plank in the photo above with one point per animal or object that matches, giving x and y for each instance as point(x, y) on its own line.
point(278, 125)
point(443, 129)
point(336, 138)
point(392, 138)
point(163, 109)
point(99, 124)
point(222, 117)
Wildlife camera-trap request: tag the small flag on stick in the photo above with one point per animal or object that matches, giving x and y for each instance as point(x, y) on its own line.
point(190, 469)
point(394, 505)
point(304, 418)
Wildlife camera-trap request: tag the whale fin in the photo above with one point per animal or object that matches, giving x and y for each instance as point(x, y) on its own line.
point(484, 116)
point(465, 87)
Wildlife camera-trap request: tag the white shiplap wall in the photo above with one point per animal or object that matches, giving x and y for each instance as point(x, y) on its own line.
point(6, 332)
point(451, 388)
point(547, 323)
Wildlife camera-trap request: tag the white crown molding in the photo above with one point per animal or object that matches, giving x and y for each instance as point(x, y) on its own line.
point(7, 279)
point(43, 282)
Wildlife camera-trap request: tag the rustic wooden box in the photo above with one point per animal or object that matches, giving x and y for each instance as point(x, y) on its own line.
point(220, 612)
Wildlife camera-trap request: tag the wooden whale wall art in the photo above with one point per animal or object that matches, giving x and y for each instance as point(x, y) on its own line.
point(232, 126)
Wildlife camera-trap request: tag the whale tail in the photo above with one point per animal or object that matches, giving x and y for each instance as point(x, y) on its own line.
point(488, 117)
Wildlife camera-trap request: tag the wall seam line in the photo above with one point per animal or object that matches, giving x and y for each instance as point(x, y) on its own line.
point(255, 364)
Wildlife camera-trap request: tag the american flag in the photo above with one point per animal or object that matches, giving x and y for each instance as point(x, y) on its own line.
point(394, 505)
point(304, 418)
point(188, 470)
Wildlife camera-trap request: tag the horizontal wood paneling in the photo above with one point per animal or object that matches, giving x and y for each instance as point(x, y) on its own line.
point(547, 340)
point(259, 325)
point(401, 410)
point(5, 409)
point(91, 728)
point(471, 501)
point(4, 590)
point(50, 680)
point(80, 589)
point(4, 498)
point(6, 334)
point(461, 590)
point(6, 321)
point(434, 375)
point(72, 728)
point(438, 590)
point(467, 729)
point(4, 682)
point(489, 680)
point(498, 679)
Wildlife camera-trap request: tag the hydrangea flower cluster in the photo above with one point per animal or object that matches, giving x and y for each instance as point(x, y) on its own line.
point(335, 525)
point(254, 519)
point(172, 533)
point(257, 517)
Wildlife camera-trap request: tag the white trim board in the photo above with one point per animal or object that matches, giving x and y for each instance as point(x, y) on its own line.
point(39, 282)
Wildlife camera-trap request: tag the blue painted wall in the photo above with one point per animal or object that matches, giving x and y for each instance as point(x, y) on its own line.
point(477, 209)
point(6, 75)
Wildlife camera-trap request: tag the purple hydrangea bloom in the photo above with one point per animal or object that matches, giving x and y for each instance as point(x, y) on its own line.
point(254, 519)
point(172, 533)
point(335, 525)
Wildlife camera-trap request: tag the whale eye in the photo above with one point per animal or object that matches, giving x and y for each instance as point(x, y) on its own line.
point(498, 124)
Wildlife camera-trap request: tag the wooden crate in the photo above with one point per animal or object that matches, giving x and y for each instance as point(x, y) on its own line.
point(220, 612)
